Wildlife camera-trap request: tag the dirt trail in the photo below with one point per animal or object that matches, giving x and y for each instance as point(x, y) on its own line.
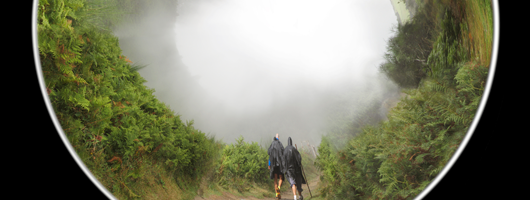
point(286, 193)
point(311, 173)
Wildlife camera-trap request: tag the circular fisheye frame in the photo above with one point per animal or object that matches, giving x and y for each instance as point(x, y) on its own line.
point(480, 109)
point(429, 187)
point(50, 108)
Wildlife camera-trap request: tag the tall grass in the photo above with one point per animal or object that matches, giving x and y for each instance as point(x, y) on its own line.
point(479, 32)
point(398, 158)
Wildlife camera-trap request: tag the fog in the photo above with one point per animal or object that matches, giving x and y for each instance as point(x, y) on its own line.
point(257, 68)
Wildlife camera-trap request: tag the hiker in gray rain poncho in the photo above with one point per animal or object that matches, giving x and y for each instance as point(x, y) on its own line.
point(292, 161)
point(275, 164)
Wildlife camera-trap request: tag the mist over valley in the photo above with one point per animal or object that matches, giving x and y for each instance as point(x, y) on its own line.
point(254, 69)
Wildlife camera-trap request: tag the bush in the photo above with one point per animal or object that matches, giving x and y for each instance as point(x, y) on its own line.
point(398, 158)
point(112, 120)
point(242, 163)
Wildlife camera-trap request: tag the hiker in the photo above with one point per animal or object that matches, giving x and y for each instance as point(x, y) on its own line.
point(292, 168)
point(275, 164)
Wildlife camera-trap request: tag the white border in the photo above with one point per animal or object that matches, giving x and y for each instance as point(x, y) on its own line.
point(483, 101)
point(50, 108)
point(420, 196)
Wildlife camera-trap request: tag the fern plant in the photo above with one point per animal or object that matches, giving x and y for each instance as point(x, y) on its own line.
point(113, 121)
point(398, 158)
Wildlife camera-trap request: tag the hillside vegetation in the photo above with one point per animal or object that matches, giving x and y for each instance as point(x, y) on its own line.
point(135, 145)
point(138, 148)
point(440, 59)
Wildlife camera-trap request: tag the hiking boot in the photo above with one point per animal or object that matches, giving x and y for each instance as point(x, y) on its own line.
point(300, 197)
point(278, 195)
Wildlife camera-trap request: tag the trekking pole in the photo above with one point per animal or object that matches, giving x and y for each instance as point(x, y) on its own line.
point(304, 175)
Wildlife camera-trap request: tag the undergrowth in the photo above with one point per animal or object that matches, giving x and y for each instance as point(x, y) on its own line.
point(398, 158)
point(131, 142)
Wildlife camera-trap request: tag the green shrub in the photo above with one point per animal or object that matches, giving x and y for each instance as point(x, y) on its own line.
point(112, 120)
point(242, 163)
point(398, 158)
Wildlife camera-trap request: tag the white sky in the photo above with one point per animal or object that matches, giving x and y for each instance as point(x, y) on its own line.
point(266, 66)
point(247, 50)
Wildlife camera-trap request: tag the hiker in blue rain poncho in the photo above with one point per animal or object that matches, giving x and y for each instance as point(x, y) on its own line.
point(292, 163)
point(275, 164)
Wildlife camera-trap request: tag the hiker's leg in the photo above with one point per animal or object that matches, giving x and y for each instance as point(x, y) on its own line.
point(299, 187)
point(280, 181)
point(276, 189)
point(294, 189)
point(275, 181)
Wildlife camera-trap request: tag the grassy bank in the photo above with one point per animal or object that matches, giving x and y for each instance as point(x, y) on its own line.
point(444, 74)
point(135, 145)
point(241, 170)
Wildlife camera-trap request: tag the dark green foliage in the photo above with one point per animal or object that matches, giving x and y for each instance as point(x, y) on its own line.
point(326, 163)
point(242, 163)
point(409, 49)
point(407, 55)
point(111, 119)
point(398, 158)
point(447, 52)
point(346, 127)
